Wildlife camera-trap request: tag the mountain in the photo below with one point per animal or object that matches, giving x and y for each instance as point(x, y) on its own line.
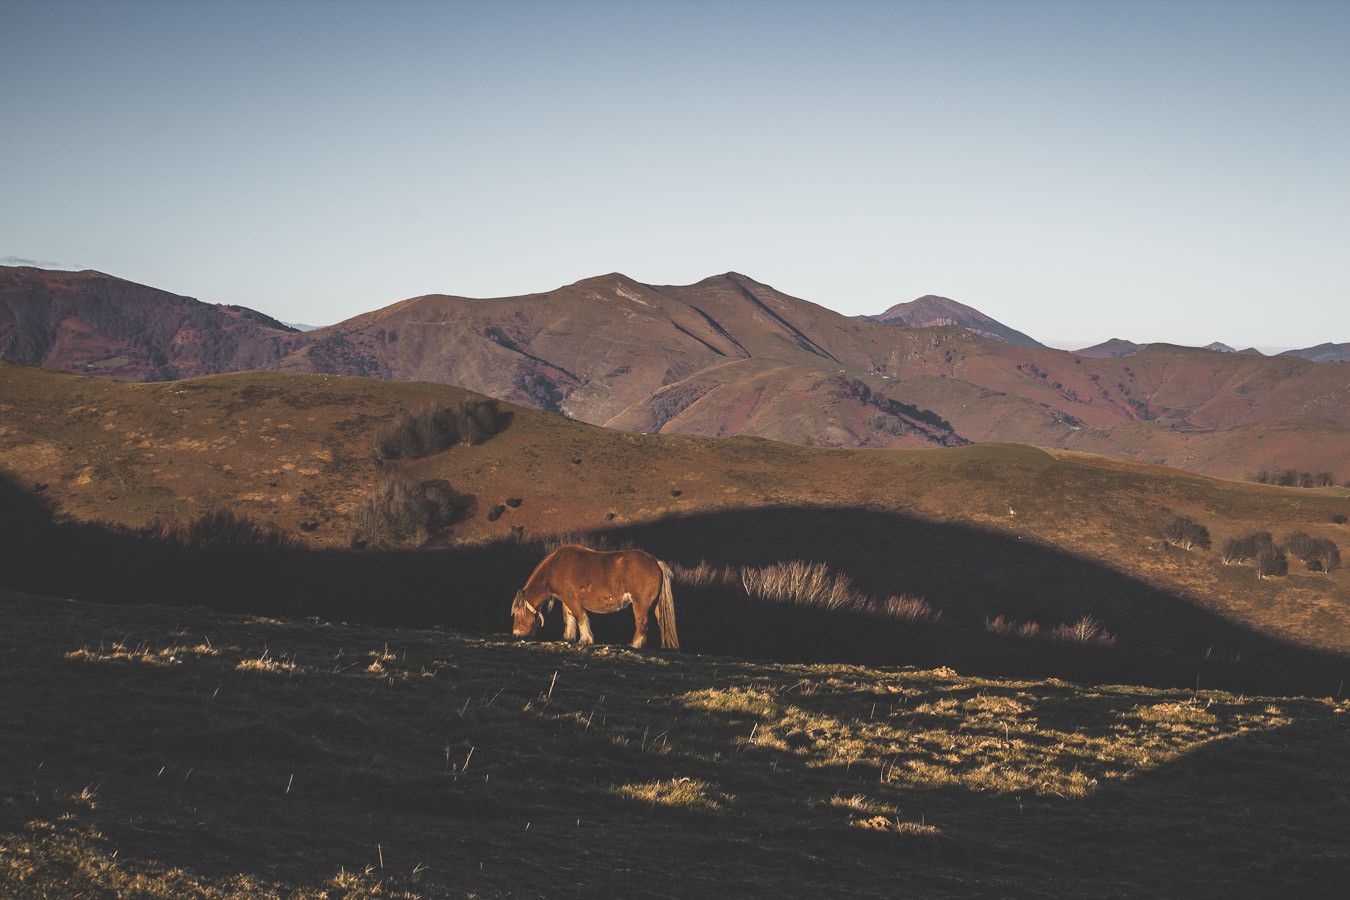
point(729, 355)
point(95, 323)
point(1323, 353)
point(930, 310)
point(1219, 347)
point(1112, 349)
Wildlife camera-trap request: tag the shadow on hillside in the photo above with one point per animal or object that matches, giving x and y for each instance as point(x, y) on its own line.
point(1247, 814)
point(966, 573)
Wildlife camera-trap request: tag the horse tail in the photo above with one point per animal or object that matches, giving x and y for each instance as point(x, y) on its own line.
point(665, 611)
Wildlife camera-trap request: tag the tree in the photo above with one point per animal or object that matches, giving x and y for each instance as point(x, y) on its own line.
point(1188, 533)
point(1318, 553)
point(1271, 562)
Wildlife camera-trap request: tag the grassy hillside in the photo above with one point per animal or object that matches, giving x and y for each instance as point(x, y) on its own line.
point(980, 531)
point(172, 752)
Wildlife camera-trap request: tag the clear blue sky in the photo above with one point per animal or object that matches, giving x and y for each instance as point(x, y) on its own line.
point(1176, 171)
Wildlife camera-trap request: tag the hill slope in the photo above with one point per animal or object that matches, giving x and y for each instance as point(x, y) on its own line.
point(1323, 353)
point(976, 531)
point(252, 757)
point(97, 324)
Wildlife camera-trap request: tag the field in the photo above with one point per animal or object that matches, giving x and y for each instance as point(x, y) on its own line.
point(976, 532)
point(163, 752)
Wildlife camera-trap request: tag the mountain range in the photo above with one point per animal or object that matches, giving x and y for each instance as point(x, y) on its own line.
point(727, 355)
point(1118, 347)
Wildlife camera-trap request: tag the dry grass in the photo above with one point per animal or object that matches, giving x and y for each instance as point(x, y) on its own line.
point(435, 764)
point(677, 793)
point(800, 583)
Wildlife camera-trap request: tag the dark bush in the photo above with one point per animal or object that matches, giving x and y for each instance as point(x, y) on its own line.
point(223, 529)
point(1271, 562)
point(427, 431)
point(1338, 518)
point(402, 513)
point(1246, 547)
point(1294, 478)
point(1319, 554)
point(1188, 533)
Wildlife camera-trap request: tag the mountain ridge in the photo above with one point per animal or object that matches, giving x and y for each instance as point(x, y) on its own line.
point(729, 355)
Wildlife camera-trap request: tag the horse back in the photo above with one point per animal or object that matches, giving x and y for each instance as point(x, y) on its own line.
point(614, 572)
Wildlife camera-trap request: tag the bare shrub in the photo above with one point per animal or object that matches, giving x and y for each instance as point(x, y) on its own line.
point(1271, 562)
point(807, 584)
point(810, 584)
point(1086, 630)
point(401, 512)
point(1187, 533)
point(1319, 554)
point(221, 528)
point(431, 430)
point(1240, 549)
point(909, 609)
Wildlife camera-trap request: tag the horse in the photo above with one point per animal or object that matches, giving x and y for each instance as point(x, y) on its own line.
point(586, 580)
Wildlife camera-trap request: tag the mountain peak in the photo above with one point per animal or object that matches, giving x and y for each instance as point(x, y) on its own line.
point(932, 310)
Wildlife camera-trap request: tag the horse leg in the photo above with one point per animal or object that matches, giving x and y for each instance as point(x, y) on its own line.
point(641, 613)
point(569, 623)
point(584, 624)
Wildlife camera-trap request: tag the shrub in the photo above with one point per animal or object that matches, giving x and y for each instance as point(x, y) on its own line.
point(1188, 533)
point(1271, 562)
point(1319, 554)
point(1243, 548)
point(1338, 518)
point(427, 431)
point(1294, 478)
point(1086, 630)
point(402, 512)
point(223, 529)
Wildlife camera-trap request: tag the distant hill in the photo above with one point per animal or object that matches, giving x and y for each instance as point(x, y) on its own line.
point(95, 323)
point(1323, 353)
point(1112, 349)
point(1219, 347)
point(930, 310)
point(725, 356)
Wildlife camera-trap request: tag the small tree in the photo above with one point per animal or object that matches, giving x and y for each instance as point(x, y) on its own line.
point(1319, 554)
point(1188, 533)
point(1240, 549)
point(1271, 562)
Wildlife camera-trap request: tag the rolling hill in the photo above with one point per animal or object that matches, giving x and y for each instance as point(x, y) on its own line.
point(731, 356)
point(975, 531)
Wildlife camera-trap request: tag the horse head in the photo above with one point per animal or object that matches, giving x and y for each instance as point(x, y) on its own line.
point(526, 617)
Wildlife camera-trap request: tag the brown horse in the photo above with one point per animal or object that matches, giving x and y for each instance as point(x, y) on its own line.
point(600, 582)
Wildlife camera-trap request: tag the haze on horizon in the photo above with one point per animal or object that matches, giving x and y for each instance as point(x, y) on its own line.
point(1168, 172)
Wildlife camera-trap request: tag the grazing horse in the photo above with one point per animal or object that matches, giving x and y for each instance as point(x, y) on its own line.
point(600, 582)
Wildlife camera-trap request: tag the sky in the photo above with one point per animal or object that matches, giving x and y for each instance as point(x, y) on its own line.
point(1153, 171)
